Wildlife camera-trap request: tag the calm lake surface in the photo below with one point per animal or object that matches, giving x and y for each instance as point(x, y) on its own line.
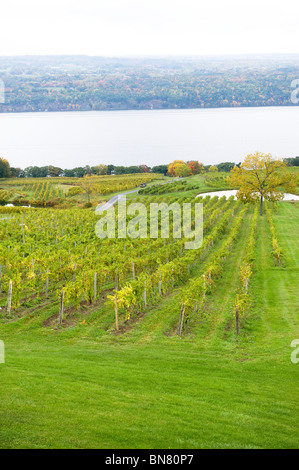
point(151, 137)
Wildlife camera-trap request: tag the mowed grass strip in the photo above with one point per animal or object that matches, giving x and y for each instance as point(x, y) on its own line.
point(157, 396)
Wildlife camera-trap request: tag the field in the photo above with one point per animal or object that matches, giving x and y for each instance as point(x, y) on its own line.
point(65, 192)
point(176, 373)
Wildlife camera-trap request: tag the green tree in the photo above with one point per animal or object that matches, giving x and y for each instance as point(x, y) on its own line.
point(4, 168)
point(16, 172)
point(163, 169)
point(54, 171)
point(225, 166)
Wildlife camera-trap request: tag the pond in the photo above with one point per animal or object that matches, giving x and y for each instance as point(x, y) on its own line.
point(233, 192)
point(13, 205)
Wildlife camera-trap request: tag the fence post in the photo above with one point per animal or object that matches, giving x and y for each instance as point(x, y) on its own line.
point(181, 320)
point(60, 318)
point(237, 313)
point(23, 231)
point(144, 293)
point(116, 312)
point(9, 297)
point(95, 286)
point(160, 286)
point(47, 283)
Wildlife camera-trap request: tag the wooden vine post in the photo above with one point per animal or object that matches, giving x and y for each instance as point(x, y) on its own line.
point(181, 320)
point(237, 315)
point(116, 312)
point(23, 230)
point(160, 286)
point(9, 297)
point(60, 318)
point(47, 283)
point(144, 294)
point(95, 286)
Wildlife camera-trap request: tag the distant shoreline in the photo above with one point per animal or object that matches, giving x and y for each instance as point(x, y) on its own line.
point(82, 83)
point(93, 111)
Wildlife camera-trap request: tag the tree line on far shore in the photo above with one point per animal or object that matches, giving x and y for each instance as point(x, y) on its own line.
point(177, 168)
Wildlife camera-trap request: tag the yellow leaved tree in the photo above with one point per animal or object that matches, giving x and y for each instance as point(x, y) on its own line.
point(179, 168)
point(213, 168)
point(261, 177)
point(88, 185)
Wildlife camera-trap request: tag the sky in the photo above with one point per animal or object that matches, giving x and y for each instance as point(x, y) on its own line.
point(148, 27)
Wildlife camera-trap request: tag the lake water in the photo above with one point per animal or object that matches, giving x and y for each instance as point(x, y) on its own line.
point(150, 137)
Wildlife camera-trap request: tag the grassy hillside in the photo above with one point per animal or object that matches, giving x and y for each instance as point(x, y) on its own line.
point(82, 385)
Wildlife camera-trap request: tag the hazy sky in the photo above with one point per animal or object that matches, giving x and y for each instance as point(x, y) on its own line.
point(148, 27)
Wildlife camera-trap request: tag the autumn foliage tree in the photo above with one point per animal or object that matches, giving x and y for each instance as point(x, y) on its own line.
point(195, 167)
point(100, 169)
point(179, 168)
point(88, 185)
point(172, 166)
point(182, 170)
point(145, 168)
point(261, 177)
point(213, 168)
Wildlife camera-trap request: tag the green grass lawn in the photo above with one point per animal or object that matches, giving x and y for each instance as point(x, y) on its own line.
point(195, 185)
point(82, 386)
